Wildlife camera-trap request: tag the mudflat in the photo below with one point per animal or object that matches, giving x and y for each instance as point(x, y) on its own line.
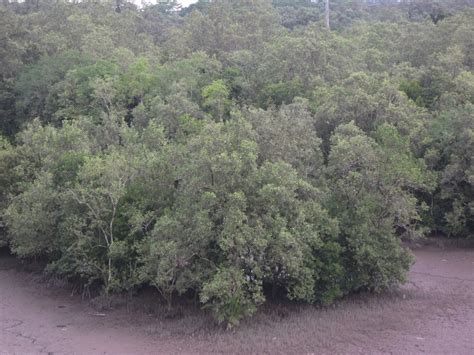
point(433, 313)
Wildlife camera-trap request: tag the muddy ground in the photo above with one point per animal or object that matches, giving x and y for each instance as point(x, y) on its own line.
point(433, 313)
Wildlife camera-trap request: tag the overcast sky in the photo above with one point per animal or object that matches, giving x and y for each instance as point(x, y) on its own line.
point(182, 2)
point(187, 2)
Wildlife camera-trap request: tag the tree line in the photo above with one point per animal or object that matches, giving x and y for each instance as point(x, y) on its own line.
point(234, 151)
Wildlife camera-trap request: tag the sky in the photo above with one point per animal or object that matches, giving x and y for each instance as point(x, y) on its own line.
point(184, 3)
point(187, 2)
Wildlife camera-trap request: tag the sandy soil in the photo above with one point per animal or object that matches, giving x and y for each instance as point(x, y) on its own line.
point(433, 313)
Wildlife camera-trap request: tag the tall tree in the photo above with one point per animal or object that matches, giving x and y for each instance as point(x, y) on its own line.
point(326, 12)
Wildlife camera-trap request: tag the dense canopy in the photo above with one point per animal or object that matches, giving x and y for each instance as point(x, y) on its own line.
point(235, 151)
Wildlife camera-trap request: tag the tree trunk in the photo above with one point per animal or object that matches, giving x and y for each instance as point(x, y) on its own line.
point(109, 276)
point(328, 26)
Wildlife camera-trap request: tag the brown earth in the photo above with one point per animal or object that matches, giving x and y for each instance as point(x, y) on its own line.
point(433, 313)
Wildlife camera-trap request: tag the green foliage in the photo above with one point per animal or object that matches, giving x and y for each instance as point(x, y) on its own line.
point(33, 217)
point(422, 96)
point(216, 100)
point(234, 151)
point(288, 134)
point(449, 148)
point(231, 295)
point(33, 86)
point(370, 199)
